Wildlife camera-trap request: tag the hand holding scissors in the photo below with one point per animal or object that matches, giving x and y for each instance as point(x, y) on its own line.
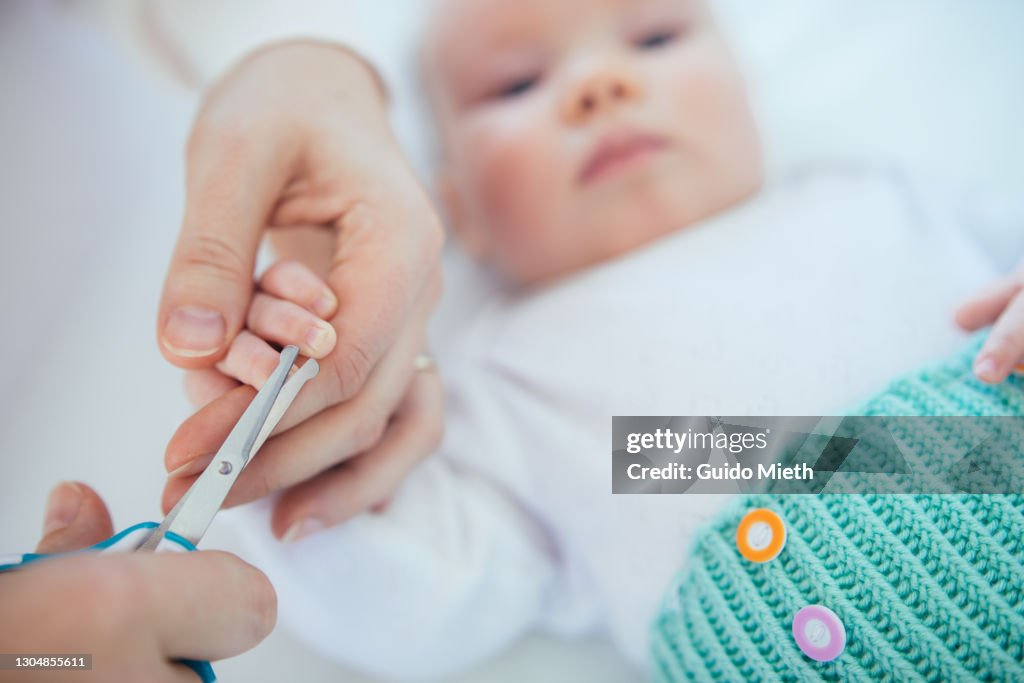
point(186, 524)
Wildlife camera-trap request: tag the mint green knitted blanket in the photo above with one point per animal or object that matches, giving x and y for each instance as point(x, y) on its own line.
point(928, 587)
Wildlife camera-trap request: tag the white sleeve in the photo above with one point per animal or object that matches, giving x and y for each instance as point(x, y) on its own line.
point(452, 573)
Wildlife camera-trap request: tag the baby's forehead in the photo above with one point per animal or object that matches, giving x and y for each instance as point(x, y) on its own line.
point(456, 33)
point(454, 24)
point(446, 17)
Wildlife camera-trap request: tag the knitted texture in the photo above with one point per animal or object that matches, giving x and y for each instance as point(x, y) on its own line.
point(928, 587)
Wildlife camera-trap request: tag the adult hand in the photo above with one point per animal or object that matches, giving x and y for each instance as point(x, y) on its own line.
point(135, 613)
point(346, 460)
point(296, 138)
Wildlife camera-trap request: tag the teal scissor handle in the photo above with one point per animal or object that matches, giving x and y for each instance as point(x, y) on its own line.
point(202, 669)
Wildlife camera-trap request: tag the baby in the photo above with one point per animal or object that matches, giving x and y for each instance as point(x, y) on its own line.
point(599, 160)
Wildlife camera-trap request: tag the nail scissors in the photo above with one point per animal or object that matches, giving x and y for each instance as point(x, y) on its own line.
point(185, 525)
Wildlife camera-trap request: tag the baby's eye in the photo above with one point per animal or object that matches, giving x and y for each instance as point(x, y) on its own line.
point(653, 40)
point(519, 86)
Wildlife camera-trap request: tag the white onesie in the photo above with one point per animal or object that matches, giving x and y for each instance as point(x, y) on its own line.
point(800, 302)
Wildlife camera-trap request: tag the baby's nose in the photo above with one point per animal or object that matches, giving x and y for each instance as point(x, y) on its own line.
point(601, 90)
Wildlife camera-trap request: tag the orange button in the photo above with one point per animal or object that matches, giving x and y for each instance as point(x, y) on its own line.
point(761, 535)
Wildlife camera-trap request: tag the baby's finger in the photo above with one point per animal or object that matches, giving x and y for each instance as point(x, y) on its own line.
point(287, 323)
point(984, 307)
point(250, 360)
point(292, 281)
point(333, 435)
point(324, 440)
point(205, 386)
point(1004, 347)
point(368, 480)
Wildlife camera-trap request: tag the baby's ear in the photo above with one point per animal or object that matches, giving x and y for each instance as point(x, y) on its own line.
point(470, 236)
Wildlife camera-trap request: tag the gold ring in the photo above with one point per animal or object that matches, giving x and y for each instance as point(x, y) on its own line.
point(424, 363)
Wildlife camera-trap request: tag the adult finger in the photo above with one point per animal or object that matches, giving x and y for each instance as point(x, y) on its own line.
point(381, 267)
point(199, 437)
point(323, 440)
point(203, 605)
point(76, 517)
point(984, 308)
point(389, 379)
point(367, 480)
point(234, 175)
point(294, 455)
point(202, 387)
point(1004, 347)
point(335, 434)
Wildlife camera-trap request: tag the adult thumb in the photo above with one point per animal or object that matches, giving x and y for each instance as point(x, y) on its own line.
point(232, 181)
point(76, 517)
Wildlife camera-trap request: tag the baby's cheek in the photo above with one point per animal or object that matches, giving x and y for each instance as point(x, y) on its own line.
point(710, 90)
point(717, 130)
point(518, 183)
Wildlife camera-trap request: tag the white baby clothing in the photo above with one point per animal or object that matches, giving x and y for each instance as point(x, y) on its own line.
point(801, 301)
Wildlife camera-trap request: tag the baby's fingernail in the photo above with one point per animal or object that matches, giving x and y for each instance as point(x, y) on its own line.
point(318, 338)
point(985, 369)
point(62, 507)
point(194, 332)
point(326, 304)
point(301, 529)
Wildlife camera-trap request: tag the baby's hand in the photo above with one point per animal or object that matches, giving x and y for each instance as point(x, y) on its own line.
point(291, 306)
point(1001, 305)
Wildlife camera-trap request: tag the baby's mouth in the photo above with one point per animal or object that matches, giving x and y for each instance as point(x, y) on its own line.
point(618, 152)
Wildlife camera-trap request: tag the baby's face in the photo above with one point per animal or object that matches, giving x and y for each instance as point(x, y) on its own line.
point(576, 130)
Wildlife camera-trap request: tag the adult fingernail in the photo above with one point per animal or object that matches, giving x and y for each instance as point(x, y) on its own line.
point(194, 466)
point(62, 507)
point(326, 304)
point(985, 369)
point(301, 529)
point(194, 332)
point(319, 337)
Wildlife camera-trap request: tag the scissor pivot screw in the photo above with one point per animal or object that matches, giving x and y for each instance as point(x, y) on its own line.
point(225, 467)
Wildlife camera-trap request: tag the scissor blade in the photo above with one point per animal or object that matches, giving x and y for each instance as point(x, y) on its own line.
point(239, 444)
point(192, 516)
point(194, 513)
point(308, 371)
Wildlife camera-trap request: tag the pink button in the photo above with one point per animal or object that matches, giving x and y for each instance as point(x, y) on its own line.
point(819, 633)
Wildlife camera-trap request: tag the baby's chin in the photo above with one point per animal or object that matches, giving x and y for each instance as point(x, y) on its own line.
point(526, 270)
point(536, 266)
